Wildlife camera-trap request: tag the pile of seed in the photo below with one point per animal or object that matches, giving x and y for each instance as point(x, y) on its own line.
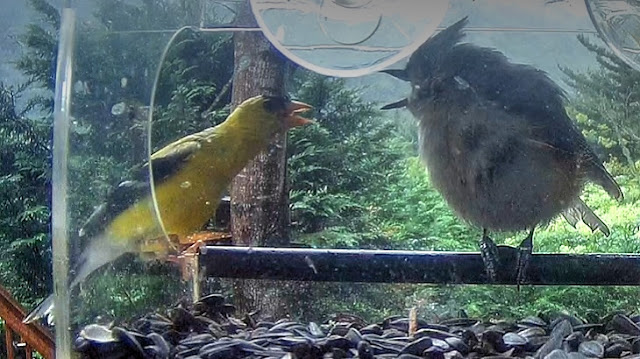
point(209, 331)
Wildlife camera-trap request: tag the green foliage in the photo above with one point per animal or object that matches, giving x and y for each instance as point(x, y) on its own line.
point(113, 78)
point(507, 303)
point(337, 166)
point(622, 219)
point(607, 103)
point(129, 289)
point(190, 95)
point(24, 200)
point(414, 214)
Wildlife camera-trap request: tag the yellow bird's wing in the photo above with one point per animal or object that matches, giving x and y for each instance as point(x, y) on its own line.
point(164, 163)
point(170, 159)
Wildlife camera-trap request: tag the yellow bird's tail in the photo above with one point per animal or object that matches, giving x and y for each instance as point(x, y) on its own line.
point(100, 251)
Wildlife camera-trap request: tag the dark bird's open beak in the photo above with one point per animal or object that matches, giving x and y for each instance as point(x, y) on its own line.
point(293, 119)
point(398, 104)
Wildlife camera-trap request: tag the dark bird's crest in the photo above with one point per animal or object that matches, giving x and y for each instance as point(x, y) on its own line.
point(426, 58)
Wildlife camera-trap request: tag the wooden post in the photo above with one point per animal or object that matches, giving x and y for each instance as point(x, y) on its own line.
point(8, 336)
point(259, 194)
point(37, 336)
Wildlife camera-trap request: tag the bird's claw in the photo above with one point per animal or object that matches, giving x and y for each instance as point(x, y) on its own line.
point(162, 248)
point(525, 251)
point(490, 257)
point(187, 260)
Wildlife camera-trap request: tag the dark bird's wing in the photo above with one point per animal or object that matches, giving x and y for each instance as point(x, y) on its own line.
point(164, 164)
point(596, 172)
point(523, 90)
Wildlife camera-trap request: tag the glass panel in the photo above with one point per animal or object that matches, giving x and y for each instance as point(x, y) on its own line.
point(511, 116)
point(112, 209)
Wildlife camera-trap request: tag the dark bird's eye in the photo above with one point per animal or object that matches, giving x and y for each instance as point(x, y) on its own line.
point(275, 103)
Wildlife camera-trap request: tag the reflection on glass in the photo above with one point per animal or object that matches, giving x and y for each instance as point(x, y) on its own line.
point(618, 22)
point(347, 38)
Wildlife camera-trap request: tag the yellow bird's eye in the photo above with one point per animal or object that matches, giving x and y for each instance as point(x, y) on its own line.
point(275, 104)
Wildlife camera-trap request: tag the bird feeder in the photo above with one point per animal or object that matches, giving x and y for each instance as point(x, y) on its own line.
point(136, 78)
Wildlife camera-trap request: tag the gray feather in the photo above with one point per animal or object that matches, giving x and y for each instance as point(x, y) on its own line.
point(99, 252)
point(580, 212)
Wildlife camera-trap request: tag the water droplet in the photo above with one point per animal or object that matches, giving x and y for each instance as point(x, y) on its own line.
point(118, 109)
point(185, 184)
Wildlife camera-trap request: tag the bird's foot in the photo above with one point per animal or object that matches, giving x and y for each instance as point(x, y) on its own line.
point(158, 248)
point(525, 250)
point(490, 257)
point(187, 260)
point(205, 237)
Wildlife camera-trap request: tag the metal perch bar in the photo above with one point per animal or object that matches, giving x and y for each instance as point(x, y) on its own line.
point(392, 266)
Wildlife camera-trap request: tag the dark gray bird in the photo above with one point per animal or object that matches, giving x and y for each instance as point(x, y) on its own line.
point(497, 141)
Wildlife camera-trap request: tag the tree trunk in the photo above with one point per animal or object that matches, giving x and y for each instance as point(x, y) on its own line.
point(259, 194)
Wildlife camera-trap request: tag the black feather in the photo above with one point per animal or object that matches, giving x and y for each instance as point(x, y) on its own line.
point(274, 104)
point(428, 56)
point(130, 191)
point(397, 104)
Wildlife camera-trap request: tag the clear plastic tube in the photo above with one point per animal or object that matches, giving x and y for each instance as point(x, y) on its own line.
point(60, 221)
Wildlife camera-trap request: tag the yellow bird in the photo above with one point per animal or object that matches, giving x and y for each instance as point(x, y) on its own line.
point(190, 176)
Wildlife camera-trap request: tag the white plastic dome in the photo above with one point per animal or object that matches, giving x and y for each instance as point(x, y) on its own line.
point(348, 38)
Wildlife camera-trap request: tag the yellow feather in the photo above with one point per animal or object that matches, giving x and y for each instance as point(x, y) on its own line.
point(210, 159)
point(191, 196)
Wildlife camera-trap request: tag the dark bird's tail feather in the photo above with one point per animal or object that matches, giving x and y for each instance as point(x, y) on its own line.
point(600, 176)
point(581, 212)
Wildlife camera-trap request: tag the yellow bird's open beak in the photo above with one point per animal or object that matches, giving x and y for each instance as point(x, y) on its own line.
point(293, 109)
